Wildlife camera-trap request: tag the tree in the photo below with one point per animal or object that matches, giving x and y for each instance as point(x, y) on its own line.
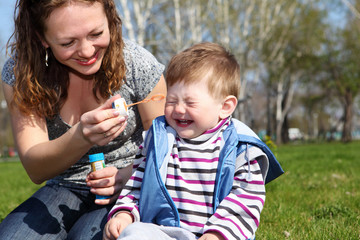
point(288, 54)
point(343, 79)
point(349, 85)
point(136, 16)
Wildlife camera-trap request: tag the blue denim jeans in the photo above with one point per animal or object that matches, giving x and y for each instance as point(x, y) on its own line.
point(56, 212)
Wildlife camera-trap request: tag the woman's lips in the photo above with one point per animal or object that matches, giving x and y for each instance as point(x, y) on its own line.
point(89, 61)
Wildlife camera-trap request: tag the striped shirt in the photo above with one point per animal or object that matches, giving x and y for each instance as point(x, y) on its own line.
point(190, 182)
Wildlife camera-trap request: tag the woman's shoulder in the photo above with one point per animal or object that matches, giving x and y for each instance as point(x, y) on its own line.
point(135, 53)
point(131, 46)
point(141, 65)
point(7, 74)
point(143, 71)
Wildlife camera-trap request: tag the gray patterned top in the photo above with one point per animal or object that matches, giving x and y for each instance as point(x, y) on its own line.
point(143, 72)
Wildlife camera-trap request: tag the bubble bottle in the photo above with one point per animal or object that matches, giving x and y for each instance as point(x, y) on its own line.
point(97, 162)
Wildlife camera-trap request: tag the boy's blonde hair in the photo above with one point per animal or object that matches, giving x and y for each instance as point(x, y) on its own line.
point(210, 61)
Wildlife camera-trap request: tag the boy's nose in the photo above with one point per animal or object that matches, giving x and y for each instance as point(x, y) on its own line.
point(179, 108)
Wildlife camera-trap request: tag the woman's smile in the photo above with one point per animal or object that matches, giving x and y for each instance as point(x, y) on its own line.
point(88, 62)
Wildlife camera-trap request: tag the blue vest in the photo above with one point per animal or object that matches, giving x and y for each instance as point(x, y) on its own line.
point(156, 205)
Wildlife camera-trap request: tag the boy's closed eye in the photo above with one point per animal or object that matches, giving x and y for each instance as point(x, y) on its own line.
point(191, 103)
point(171, 100)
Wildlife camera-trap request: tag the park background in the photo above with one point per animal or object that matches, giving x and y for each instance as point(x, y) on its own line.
point(300, 86)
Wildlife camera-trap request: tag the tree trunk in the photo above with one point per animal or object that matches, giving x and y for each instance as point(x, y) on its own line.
point(136, 14)
point(284, 101)
point(269, 128)
point(348, 113)
point(285, 130)
point(279, 110)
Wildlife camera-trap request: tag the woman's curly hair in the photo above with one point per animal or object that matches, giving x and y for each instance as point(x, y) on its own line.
point(42, 90)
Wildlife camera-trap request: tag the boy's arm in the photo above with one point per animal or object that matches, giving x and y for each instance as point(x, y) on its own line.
point(238, 215)
point(128, 198)
point(212, 236)
point(117, 224)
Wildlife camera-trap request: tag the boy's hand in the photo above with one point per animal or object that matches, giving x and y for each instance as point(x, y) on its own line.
point(116, 225)
point(211, 236)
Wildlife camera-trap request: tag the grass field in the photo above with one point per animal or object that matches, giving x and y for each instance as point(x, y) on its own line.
point(317, 198)
point(319, 195)
point(15, 186)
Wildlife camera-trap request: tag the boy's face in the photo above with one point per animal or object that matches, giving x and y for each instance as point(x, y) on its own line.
point(190, 109)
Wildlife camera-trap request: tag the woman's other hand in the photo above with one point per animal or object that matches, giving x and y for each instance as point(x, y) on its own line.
point(108, 181)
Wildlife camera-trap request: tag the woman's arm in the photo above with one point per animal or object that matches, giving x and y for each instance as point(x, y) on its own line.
point(149, 111)
point(44, 159)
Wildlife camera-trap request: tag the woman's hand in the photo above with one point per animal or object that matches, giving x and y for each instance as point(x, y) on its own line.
point(103, 124)
point(108, 182)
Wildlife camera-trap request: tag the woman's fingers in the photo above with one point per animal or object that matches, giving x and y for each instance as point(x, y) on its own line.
point(108, 136)
point(107, 182)
point(102, 126)
point(97, 116)
point(113, 126)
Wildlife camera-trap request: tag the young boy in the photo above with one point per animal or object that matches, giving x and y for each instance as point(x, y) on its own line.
point(200, 174)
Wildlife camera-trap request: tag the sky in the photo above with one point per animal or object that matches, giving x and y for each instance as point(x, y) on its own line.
point(6, 22)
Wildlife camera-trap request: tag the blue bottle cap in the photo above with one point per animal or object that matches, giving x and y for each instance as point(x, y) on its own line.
point(96, 157)
point(102, 197)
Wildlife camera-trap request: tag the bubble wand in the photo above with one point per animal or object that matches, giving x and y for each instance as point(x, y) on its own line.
point(120, 104)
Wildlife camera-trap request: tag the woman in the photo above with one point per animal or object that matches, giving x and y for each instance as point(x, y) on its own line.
point(69, 59)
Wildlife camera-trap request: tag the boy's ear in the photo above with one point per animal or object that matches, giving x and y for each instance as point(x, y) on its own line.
point(228, 106)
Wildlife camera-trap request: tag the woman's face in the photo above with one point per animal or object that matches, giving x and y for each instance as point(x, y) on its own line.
point(78, 35)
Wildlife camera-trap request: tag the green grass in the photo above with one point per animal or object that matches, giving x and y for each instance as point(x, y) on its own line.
point(16, 186)
point(318, 197)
